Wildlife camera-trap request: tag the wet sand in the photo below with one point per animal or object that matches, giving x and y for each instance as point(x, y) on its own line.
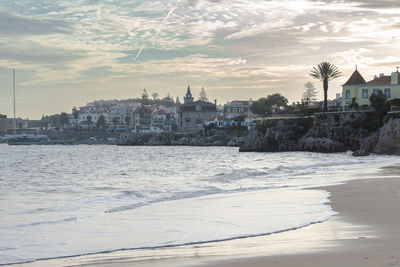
point(374, 203)
point(366, 232)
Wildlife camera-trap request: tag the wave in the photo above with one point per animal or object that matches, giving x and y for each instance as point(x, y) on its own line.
point(177, 196)
point(194, 243)
point(71, 219)
point(286, 170)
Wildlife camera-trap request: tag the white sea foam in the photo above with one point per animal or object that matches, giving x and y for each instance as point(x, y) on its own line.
point(71, 200)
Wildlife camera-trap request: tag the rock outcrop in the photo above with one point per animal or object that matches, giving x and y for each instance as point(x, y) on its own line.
point(277, 135)
point(176, 139)
point(389, 138)
point(328, 132)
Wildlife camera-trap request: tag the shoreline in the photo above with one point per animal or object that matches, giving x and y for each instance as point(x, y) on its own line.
point(361, 235)
point(372, 203)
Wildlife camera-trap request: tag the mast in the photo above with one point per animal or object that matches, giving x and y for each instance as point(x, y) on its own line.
point(14, 102)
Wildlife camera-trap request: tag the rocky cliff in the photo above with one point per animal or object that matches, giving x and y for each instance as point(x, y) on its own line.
point(389, 138)
point(325, 132)
point(383, 141)
point(276, 135)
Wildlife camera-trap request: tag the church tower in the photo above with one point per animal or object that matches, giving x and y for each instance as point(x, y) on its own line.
point(188, 98)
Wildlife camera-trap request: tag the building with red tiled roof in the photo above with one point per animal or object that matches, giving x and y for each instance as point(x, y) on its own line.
point(358, 89)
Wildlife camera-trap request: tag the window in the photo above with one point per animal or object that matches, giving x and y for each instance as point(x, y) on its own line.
point(365, 93)
point(387, 92)
point(348, 94)
point(346, 108)
point(375, 92)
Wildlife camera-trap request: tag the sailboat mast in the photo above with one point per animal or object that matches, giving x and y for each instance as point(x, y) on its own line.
point(15, 126)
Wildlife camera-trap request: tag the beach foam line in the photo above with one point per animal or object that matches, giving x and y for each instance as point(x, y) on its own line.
point(167, 246)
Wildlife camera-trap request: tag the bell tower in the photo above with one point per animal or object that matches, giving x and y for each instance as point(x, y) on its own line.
point(188, 98)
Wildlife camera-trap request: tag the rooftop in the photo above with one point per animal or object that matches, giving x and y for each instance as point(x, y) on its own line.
point(355, 78)
point(383, 80)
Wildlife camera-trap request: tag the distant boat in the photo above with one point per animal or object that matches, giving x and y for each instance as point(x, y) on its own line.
point(22, 138)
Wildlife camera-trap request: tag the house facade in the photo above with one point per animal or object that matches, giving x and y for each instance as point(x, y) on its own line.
point(360, 90)
point(237, 108)
point(194, 114)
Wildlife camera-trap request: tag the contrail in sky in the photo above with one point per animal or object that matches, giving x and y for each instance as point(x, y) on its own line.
point(159, 29)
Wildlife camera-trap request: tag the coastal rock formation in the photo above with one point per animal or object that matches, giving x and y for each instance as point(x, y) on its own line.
point(326, 132)
point(383, 141)
point(277, 135)
point(337, 132)
point(177, 139)
point(389, 138)
point(367, 145)
point(323, 144)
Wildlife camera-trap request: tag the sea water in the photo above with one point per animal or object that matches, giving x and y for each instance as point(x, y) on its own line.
point(58, 201)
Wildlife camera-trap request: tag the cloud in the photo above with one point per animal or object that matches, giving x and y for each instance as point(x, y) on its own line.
point(252, 43)
point(15, 25)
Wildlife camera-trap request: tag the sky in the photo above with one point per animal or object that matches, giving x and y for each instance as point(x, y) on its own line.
point(67, 53)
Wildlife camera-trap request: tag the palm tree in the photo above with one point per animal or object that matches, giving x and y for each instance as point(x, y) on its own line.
point(325, 72)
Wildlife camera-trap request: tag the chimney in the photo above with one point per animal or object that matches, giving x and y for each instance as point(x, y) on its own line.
point(381, 75)
point(215, 101)
point(395, 78)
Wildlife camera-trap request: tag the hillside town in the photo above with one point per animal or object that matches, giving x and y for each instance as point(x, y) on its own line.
point(155, 115)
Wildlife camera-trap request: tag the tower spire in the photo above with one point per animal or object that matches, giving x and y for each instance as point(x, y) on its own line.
point(188, 98)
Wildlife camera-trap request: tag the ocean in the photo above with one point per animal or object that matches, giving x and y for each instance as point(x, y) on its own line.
point(61, 201)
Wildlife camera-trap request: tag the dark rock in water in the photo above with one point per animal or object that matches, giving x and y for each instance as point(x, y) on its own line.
point(389, 138)
point(361, 153)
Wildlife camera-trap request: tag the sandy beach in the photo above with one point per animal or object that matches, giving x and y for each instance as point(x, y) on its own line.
point(364, 233)
point(374, 203)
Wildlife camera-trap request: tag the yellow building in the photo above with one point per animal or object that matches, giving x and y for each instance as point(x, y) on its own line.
point(356, 87)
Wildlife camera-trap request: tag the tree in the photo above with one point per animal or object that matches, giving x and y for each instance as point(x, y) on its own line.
point(155, 96)
point(310, 93)
point(101, 123)
point(168, 100)
point(378, 101)
point(75, 113)
point(325, 72)
point(261, 106)
point(269, 104)
point(89, 120)
point(145, 97)
point(277, 102)
point(64, 119)
point(203, 95)
point(354, 105)
point(115, 120)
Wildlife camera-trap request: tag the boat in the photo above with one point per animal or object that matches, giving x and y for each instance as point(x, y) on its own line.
point(22, 137)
